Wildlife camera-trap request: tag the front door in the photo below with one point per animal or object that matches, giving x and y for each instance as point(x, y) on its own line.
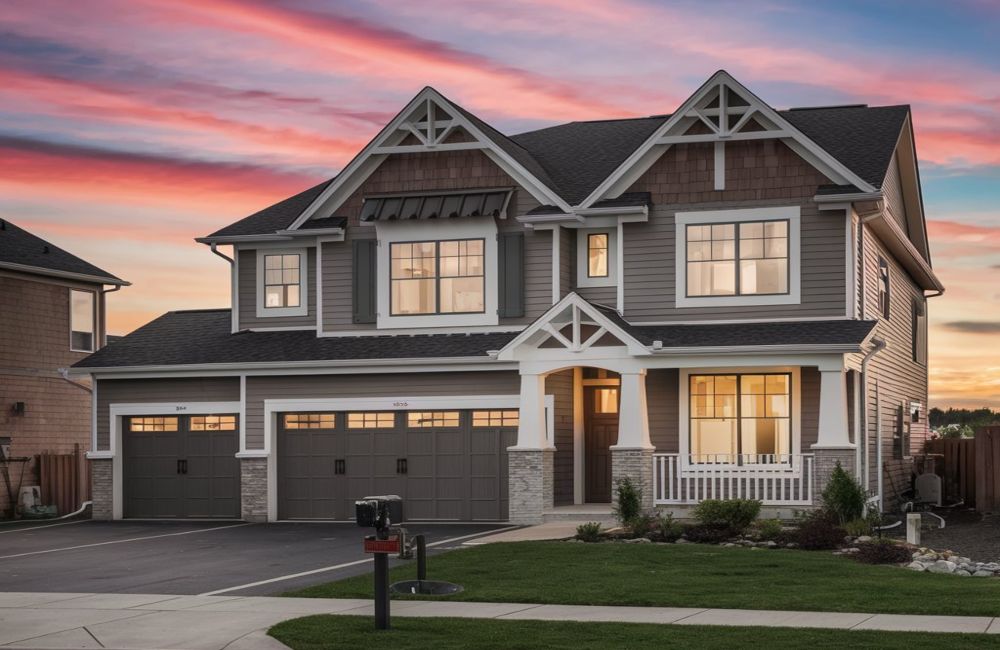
point(601, 431)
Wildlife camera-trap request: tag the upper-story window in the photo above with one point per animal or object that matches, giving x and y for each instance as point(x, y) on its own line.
point(919, 333)
point(883, 287)
point(438, 277)
point(738, 257)
point(83, 321)
point(597, 257)
point(281, 282)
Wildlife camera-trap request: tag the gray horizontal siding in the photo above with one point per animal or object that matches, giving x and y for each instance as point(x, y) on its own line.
point(338, 311)
point(126, 391)
point(650, 278)
point(248, 295)
point(361, 386)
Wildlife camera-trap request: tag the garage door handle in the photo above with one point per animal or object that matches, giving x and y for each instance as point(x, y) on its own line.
point(182, 467)
point(401, 466)
point(340, 466)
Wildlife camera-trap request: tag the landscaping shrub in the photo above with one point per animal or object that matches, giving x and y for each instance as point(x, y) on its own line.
point(843, 496)
point(709, 533)
point(734, 514)
point(769, 529)
point(819, 531)
point(589, 532)
point(629, 503)
point(858, 527)
point(882, 551)
point(642, 525)
point(665, 529)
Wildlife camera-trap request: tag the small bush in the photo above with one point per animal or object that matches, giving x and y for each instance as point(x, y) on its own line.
point(629, 504)
point(858, 527)
point(589, 532)
point(734, 514)
point(819, 531)
point(769, 529)
point(882, 551)
point(843, 496)
point(642, 525)
point(709, 533)
point(665, 529)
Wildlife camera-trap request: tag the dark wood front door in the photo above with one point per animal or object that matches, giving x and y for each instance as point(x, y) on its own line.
point(601, 431)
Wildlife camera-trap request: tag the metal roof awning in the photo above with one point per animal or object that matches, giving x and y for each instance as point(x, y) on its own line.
point(492, 203)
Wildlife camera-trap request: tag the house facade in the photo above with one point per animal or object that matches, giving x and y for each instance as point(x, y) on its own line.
point(721, 302)
point(52, 315)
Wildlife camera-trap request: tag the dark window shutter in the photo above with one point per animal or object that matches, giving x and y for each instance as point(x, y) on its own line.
point(511, 284)
point(363, 275)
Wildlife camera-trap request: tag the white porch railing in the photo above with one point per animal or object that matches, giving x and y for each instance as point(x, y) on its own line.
point(776, 480)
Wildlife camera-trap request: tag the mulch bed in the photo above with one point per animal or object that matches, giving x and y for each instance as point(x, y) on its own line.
point(967, 533)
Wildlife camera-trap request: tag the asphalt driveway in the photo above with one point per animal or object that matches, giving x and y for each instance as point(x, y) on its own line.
point(185, 557)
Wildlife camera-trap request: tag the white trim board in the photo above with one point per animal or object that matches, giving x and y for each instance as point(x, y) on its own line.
point(791, 213)
point(272, 407)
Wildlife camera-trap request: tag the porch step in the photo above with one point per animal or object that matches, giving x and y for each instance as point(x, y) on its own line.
point(599, 512)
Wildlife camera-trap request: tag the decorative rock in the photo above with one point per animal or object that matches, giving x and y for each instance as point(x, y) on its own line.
point(916, 566)
point(942, 566)
point(964, 560)
point(791, 545)
point(681, 540)
point(961, 572)
point(638, 540)
point(852, 550)
point(770, 544)
point(729, 545)
point(983, 574)
point(864, 539)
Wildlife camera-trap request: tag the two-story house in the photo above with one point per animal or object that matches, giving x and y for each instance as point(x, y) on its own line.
point(720, 302)
point(52, 314)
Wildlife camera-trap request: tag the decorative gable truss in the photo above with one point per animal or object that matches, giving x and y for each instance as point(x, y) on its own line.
point(572, 329)
point(428, 123)
point(721, 111)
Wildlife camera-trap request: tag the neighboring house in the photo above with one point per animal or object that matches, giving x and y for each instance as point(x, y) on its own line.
point(496, 326)
point(52, 314)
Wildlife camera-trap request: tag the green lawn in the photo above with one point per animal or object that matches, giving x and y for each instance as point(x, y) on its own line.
point(690, 575)
point(356, 632)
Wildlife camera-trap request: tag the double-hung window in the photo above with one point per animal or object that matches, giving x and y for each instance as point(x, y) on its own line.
point(83, 321)
point(740, 419)
point(281, 282)
point(437, 277)
point(737, 259)
point(597, 257)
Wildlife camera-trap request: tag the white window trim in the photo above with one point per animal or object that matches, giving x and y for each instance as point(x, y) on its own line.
point(94, 322)
point(390, 232)
point(691, 469)
point(582, 279)
point(303, 308)
point(684, 219)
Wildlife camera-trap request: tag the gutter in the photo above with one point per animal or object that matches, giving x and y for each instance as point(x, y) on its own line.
point(67, 275)
point(836, 348)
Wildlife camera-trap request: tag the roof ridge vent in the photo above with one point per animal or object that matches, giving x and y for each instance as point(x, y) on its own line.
point(817, 108)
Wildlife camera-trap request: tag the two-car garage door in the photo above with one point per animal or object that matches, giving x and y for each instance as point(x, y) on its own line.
point(449, 465)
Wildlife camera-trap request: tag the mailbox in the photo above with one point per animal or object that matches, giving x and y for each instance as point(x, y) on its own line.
point(379, 511)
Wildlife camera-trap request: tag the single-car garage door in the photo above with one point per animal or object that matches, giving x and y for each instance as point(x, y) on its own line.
point(446, 465)
point(181, 466)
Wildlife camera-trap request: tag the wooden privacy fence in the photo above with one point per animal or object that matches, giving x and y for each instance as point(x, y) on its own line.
point(65, 480)
point(957, 467)
point(987, 469)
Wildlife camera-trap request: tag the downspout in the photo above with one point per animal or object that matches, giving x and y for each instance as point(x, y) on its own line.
point(877, 346)
point(232, 281)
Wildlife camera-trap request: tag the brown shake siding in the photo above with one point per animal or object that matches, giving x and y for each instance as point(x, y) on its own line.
point(758, 174)
point(505, 382)
point(248, 294)
point(124, 391)
point(426, 172)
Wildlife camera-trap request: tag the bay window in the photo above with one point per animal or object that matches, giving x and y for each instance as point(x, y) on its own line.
point(437, 277)
point(740, 418)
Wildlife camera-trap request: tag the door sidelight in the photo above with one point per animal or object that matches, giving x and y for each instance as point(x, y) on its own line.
point(401, 466)
point(340, 466)
point(182, 466)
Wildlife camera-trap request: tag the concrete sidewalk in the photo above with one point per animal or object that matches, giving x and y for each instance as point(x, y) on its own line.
point(141, 622)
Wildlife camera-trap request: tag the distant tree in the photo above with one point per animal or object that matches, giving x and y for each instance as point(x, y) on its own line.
point(971, 418)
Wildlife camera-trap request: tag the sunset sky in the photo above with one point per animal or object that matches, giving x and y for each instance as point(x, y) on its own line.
point(129, 127)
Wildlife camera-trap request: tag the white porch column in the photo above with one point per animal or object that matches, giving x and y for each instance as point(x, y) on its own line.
point(633, 417)
point(532, 421)
point(833, 432)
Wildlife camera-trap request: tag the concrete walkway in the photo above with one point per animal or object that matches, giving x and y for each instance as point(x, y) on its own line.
point(541, 532)
point(141, 622)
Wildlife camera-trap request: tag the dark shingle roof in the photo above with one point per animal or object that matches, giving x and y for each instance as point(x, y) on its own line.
point(18, 246)
point(862, 138)
point(573, 159)
point(203, 337)
point(579, 155)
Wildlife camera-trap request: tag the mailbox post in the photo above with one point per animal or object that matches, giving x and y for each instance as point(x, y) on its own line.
point(380, 513)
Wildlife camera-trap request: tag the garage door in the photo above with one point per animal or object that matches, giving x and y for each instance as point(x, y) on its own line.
point(181, 466)
point(446, 465)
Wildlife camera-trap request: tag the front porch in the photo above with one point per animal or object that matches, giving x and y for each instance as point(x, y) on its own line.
point(683, 427)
